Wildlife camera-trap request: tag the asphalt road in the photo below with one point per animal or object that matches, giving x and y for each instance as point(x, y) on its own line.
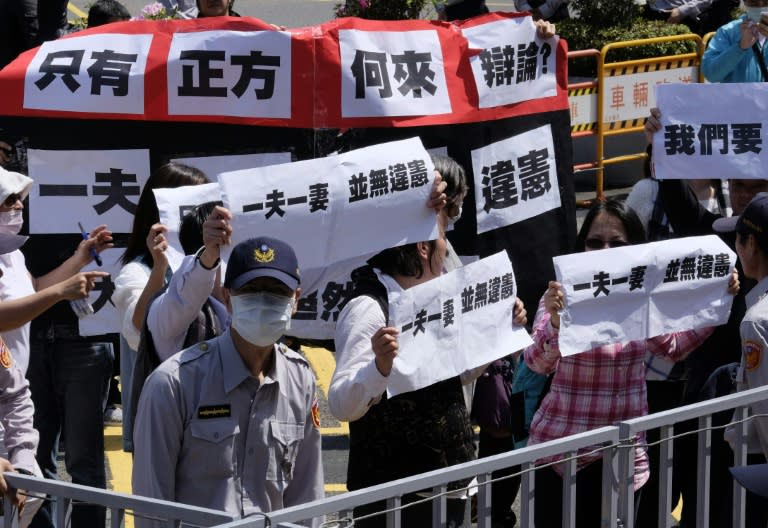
point(289, 13)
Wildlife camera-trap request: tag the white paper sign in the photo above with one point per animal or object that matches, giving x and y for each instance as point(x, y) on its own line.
point(231, 73)
point(340, 207)
point(93, 73)
point(324, 293)
point(212, 166)
point(173, 204)
point(106, 318)
point(392, 73)
point(454, 323)
point(637, 292)
point(728, 140)
point(92, 187)
point(515, 64)
point(515, 179)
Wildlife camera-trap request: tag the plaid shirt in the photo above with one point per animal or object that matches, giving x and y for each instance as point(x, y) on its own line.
point(597, 387)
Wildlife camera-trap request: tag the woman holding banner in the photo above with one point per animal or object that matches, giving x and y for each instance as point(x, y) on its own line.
point(411, 433)
point(597, 387)
point(145, 272)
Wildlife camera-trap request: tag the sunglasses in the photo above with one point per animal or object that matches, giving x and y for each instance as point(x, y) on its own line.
point(599, 243)
point(12, 199)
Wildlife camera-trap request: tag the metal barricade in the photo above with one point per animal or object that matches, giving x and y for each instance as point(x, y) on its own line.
point(613, 115)
point(616, 443)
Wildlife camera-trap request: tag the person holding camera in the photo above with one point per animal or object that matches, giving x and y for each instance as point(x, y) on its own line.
point(737, 52)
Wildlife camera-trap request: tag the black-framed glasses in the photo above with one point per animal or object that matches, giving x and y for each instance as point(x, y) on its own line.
point(599, 243)
point(12, 199)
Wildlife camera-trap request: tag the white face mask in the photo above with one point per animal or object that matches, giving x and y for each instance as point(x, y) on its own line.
point(453, 219)
point(754, 13)
point(261, 318)
point(11, 221)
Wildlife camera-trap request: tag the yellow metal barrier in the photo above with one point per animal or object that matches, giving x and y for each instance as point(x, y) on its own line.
point(583, 109)
point(609, 93)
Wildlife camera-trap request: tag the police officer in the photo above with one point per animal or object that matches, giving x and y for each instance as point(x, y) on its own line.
point(20, 442)
point(751, 229)
point(232, 423)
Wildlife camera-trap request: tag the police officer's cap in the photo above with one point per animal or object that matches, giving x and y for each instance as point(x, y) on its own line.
point(753, 220)
point(262, 257)
point(754, 478)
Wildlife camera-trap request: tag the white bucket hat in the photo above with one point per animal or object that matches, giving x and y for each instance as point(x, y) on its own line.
point(14, 183)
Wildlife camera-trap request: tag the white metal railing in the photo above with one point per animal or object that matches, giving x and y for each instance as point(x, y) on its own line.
point(617, 444)
point(65, 493)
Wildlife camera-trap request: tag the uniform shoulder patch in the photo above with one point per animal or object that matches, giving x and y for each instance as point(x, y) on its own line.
point(752, 350)
point(316, 413)
point(6, 360)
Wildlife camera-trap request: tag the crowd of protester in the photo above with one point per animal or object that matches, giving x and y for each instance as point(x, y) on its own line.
point(198, 336)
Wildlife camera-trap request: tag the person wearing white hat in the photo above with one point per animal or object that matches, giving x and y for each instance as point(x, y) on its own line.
point(23, 297)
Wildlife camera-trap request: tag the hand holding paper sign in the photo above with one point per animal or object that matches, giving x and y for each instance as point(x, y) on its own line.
point(652, 125)
point(734, 285)
point(520, 314)
point(157, 244)
point(385, 347)
point(437, 198)
point(554, 302)
point(217, 232)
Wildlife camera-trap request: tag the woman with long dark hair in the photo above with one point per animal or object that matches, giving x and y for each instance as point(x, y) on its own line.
point(145, 271)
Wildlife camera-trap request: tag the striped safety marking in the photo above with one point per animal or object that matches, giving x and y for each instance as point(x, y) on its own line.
point(582, 93)
point(651, 67)
point(643, 68)
point(79, 13)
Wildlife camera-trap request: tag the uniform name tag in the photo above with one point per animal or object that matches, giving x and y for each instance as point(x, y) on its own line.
point(214, 411)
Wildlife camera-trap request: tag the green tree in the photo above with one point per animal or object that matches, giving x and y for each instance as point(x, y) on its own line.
point(600, 22)
point(606, 13)
point(381, 9)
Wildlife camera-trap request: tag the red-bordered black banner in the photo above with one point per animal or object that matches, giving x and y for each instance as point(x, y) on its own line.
point(346, 73)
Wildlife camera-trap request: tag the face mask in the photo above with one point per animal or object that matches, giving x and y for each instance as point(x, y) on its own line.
point(11, 221)
point(453, 219)
point(754, 13)
point(261, 318)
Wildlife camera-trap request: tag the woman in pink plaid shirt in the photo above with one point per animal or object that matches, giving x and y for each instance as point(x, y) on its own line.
point(597, 387)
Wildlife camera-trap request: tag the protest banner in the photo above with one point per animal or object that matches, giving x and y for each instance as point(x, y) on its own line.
point(356, 72)
point(727, 141)
point(454, 323)
point(641, 291)
point(492, 99)
point(329, 208)
point(97, 186)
